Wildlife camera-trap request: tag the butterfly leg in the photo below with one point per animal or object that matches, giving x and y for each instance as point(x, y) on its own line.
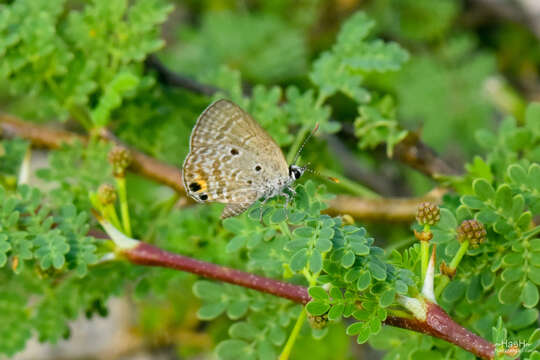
point(293, 192)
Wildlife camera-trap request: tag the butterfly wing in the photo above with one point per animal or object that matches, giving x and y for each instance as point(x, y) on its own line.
point(231, 159)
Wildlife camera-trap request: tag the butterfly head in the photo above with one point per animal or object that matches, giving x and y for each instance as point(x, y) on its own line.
point(295, 172)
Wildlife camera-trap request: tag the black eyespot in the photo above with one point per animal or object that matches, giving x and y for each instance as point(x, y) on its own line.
point(249, 182)
point(194, 187)
point(203, 197)
point(258, 168)
point(234, 152)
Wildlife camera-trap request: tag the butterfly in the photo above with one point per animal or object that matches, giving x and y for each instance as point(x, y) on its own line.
point(233, 160)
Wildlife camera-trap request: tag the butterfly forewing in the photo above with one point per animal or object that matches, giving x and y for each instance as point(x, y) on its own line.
point(231, 159)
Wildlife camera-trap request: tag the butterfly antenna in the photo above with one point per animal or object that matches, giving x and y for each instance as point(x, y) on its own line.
point(315, 172)
point(304, 143)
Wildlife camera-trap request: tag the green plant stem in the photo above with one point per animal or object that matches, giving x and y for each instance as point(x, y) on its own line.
point(533, 232)
point(110, 214)
point(124, 208)
point(164, 208)
point(459, 255)
point(294, 334)
point(352, 186)
point(445, 280)
point(285, 229)
point(399, 245)
point(424, 251)
point(312, 279)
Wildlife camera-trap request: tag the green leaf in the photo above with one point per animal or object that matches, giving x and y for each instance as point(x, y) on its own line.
point(355, 328)
point(517, 174)
point(387, 297)
point(4, 248)
point(324, 245)
point(336, 312)
point(534, 274)
point(474, 291)
point(509, 293)
point(277, 336)
point(315, 261)
point(236, 243)
point(299, 260)
point(360, 249)
point(51, 249)
point(336, 293)
point(318, 293)
point(511, 274)
point(363, 335)
point(513, 259)
point(207, 290)
point(377, 271)
point(483, 189)
point(523, 318)
point(532, 118)
point(303, 232)
point(529, 295)
point(235, 350)
point(211, 311)
point(503, 199)
point(121, 84)
point(317, 308)
point(472, 202)
point(348, 259)
point(454, 291)
point(278, 216)
point(237, 309)
point(243, 330)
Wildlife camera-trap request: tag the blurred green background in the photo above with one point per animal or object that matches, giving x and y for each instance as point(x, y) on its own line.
point(470, 64)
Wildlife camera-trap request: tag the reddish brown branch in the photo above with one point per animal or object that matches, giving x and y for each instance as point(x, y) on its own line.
point(437, 324)
point(149, 255)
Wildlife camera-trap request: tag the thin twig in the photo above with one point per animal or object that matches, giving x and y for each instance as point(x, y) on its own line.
point(168, 77)
point(388, 209)
point(413, 152)
point(382, 209)
point(44, 136)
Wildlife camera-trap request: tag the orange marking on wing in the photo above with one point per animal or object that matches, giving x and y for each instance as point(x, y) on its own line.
point(202, 183)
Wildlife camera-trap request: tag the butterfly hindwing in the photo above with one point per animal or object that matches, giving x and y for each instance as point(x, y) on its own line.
point(232, 159)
